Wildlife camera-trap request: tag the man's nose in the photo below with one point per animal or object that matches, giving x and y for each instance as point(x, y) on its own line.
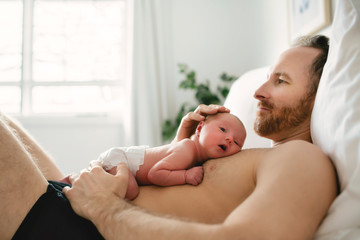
point(262, 92)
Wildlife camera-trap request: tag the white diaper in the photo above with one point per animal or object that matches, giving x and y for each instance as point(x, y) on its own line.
point(132, 156)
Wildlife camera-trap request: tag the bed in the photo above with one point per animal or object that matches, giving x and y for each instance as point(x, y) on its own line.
point(335, 123)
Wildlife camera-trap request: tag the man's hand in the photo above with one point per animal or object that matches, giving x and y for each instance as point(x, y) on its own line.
point(190, 121)
point(94, 195)
point(95, 190)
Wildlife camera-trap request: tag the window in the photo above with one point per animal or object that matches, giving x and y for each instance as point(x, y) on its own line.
point(62, 56)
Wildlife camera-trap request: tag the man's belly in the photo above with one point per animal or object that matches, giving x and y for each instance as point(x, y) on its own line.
point(227, 183)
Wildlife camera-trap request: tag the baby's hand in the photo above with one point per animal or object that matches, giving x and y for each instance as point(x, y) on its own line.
point(112, 171)
point(194, 175)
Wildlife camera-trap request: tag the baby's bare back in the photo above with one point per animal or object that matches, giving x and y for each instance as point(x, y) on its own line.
point(152, 156)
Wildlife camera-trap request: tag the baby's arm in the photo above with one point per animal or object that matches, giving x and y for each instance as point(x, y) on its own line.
point(173, 169)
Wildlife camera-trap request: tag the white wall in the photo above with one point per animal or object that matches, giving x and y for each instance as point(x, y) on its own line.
point(74, 141)
point(211, 36)
point(326, 31)
point(233, 36)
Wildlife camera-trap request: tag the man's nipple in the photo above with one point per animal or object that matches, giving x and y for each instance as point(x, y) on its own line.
point(212, 167)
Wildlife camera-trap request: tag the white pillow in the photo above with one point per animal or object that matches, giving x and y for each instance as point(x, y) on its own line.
point(242, 103)
point(335, 124)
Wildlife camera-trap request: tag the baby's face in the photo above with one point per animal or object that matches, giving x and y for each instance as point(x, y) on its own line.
point(222, 135)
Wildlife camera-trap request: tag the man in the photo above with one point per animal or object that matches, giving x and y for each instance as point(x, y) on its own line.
point(278, 193)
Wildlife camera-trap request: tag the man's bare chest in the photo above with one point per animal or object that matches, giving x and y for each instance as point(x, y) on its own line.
point(227, 183)
point(235, 175)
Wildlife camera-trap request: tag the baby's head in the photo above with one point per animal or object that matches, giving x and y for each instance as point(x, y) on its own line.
point(221, 135)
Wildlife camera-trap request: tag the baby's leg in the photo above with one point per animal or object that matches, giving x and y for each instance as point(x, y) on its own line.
point(65, 180)
point(132, 189)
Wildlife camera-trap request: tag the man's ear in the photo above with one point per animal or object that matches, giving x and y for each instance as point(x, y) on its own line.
point(199, 127)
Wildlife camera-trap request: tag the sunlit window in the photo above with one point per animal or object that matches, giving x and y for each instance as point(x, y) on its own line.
point(62, 56)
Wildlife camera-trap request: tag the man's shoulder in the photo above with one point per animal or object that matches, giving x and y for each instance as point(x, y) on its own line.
point(295, 147)
point(295, 156)
point(291, 148)
point(294, 185)
point(299, 147)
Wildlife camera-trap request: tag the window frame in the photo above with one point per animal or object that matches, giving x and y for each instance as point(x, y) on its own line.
point(26, 83)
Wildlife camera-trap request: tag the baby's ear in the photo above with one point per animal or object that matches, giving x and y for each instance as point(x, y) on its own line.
point(199, 127)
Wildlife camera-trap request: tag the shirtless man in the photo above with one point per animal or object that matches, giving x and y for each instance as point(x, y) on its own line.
point(278, 193)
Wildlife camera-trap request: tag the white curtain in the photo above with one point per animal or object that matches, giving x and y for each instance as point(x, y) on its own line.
point(149, 72)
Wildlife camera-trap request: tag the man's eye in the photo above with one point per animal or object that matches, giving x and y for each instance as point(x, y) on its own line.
point(222, 129)
point(281, 81)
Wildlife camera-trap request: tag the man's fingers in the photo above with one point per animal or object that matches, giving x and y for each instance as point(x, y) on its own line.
point(196, 116)
point(203, 110)
point(95, 163)
point(223, 109)
point(66, 189)
point(85, 170)
point(210, 109)
point(73, 177)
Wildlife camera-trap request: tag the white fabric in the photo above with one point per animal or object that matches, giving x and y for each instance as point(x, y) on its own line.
point(335, 125)
point(150, 73)
point(133, 157)
point(242, 104)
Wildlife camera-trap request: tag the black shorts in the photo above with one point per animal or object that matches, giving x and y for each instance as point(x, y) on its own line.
point(53, 218)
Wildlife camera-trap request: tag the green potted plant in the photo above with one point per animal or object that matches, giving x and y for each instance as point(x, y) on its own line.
point(203, 95)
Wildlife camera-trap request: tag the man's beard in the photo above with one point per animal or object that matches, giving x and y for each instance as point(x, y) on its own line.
point(278, 120)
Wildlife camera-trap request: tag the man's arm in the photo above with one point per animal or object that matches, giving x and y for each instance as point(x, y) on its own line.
point(98, 196)
point(296, 184)
point(122, 222)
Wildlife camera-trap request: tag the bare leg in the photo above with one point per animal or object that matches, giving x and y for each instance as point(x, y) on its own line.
point(132, 189)
point(40, 157)
point(21, 182)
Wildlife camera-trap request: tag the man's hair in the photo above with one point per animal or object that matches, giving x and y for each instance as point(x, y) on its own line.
point(319, 42)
